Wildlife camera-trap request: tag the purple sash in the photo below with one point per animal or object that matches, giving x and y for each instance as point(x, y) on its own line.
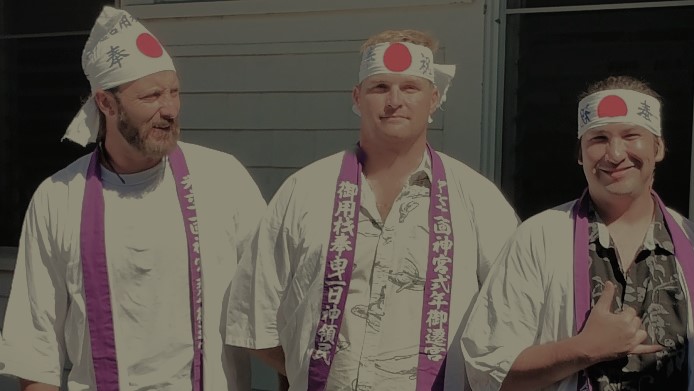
point(95, 272)
point(684, 253)
point(433, 343)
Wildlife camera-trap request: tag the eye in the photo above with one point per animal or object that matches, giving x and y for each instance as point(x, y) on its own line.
point(379, 87)
point(632, 136)
point(598, 138)
point(411, 88)
point(152, 96)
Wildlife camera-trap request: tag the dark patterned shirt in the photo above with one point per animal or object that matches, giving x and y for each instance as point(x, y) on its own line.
point(652, 287)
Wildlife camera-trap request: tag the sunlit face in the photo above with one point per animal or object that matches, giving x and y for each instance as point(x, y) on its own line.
point(619, 159)
point(394, 107)
point(147, 113)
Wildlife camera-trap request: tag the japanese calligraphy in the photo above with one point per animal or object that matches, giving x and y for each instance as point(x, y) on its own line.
point(585, 115)
point(340, 254)
point(370, 55)
point(115, 55)
point(425, 64)
point(645, 111)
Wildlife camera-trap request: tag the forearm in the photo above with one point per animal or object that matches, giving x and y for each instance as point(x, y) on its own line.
point(542, 365)
point(28, 385)
point(273, 357)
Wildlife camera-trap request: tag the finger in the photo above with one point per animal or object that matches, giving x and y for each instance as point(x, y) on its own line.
point(646, 349)
point(605, 300)
point(635, 323)
point(629, 311)
point(640, 336)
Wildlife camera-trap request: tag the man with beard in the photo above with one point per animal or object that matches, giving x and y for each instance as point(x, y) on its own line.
point(366, 261)
point(595, 293)
point(126, 254)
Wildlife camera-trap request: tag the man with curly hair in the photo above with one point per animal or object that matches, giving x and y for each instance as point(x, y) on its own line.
point(595, 293)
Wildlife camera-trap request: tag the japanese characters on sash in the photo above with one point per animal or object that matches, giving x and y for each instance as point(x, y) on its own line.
point(95, 272)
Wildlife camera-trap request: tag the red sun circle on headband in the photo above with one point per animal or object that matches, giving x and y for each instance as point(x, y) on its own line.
point(612, 106)
point(149, 46)
point(397, 57)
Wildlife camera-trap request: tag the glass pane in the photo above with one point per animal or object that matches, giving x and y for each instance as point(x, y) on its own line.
point(31, 17)
point(41, 90)
point(183, 1)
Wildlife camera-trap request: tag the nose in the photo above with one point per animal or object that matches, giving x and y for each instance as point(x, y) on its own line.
point(394, 98)
point(170, 106)
point(616, 150)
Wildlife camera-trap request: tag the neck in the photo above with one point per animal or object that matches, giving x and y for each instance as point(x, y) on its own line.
point(122, 158)
point(392, 160)
point(624, 209)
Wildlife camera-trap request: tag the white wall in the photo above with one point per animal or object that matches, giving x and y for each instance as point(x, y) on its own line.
point(270, 81)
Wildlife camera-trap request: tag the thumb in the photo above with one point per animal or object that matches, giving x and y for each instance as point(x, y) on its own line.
point(605, 300)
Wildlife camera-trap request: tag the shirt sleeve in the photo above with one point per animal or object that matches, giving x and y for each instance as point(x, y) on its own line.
point(33, 346)
point(261, 278)
point(495, 221)
point(505, 318)
point(251, 208)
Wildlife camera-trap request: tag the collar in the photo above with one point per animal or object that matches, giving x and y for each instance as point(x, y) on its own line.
point(422, 175)
point(657, 235)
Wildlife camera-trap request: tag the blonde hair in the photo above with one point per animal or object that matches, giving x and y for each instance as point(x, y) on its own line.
point(413, 36)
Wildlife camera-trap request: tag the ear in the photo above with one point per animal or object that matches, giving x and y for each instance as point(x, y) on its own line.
point(355, 95)
point(435, 96)
point(105, 102)
point(659, 149)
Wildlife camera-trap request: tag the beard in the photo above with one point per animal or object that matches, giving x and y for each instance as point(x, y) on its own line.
point(151, 142)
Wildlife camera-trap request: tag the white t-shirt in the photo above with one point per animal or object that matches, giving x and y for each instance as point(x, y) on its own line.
point(528, 299)
point(147, 260)
point(276, 294)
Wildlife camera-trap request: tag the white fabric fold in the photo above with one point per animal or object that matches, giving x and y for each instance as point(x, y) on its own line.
point(84, 127)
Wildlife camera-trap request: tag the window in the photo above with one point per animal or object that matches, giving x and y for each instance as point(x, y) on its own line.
point(552, 57)
point(42, 83)
point(519, 4)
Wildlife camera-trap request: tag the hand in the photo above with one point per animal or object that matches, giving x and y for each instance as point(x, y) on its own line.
point(608, 336)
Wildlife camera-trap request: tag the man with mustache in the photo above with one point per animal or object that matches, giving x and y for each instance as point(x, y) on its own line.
point(126, 254)
point(595, 293)
point(366, 261)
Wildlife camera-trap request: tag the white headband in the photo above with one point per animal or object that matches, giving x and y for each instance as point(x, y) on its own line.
point(619, 106)
point(405, 58)
point(119, 50)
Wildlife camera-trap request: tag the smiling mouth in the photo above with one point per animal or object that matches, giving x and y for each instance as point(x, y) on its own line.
point(616, 172)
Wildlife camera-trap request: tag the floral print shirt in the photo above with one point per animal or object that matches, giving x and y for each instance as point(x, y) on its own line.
point(652, 287)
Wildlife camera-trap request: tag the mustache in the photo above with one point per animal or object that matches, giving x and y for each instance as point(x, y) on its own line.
point(165, 123)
